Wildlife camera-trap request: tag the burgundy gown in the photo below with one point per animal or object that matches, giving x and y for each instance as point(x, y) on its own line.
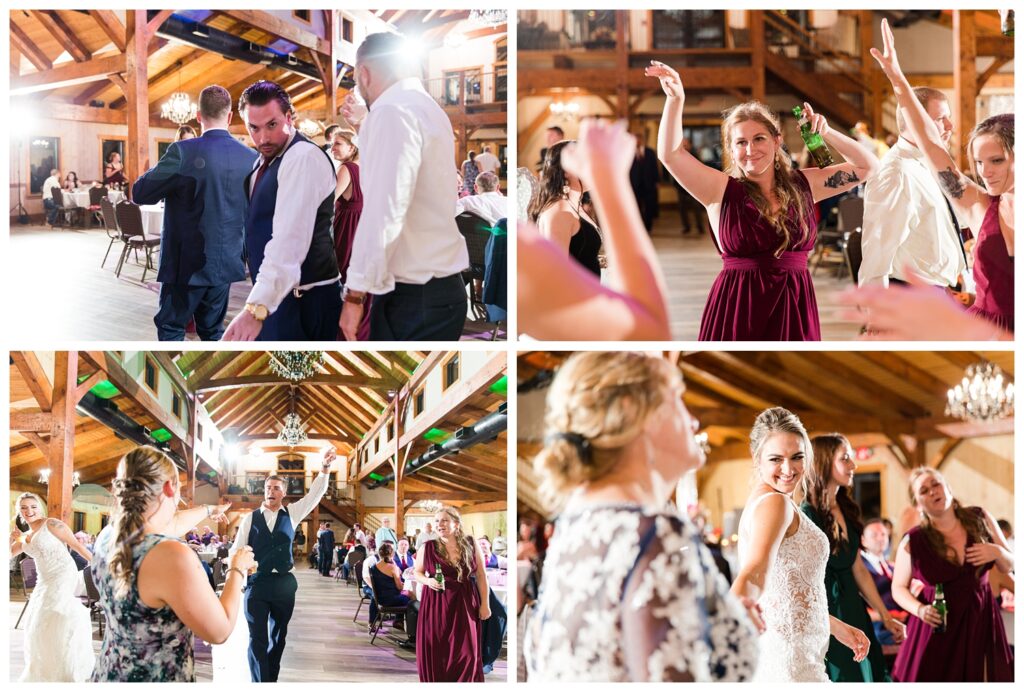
point(758, 297)
point(993, 272)
point(974, 625)
point(346, 218)
point(448, 633)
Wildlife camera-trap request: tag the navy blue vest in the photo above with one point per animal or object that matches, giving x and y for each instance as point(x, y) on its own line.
point(320, 263)
point(272, 549)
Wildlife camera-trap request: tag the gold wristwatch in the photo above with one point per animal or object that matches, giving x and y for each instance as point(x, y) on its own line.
point(259, 312)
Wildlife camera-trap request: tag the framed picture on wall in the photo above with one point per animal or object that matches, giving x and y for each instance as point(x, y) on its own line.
point(111, 152)
point(161, 147)
point(43, 156)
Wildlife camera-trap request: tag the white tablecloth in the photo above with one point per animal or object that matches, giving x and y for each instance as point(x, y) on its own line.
point(152, 219)
point(115, 196)
point(81, 197)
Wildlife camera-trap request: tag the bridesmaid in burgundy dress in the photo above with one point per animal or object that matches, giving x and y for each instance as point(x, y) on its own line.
point(348, 206)
point(988, 208)
point(449, 636)
point(762, 215)
point(956, 547)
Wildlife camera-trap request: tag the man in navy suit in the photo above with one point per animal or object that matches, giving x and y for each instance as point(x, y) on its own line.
point(325, 539)
point(202, 181)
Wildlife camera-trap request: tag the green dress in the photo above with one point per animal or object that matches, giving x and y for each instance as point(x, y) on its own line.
point(845, 603)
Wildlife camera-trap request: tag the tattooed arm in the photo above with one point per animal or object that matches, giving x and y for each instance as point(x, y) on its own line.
point(860, 164)
point(969, 200)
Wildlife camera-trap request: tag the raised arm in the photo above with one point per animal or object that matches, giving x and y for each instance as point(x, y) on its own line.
point(969, 200)
point(17, 543)
point(860, 163)
point(301, 508)
point(706, 184)
point(185, 519)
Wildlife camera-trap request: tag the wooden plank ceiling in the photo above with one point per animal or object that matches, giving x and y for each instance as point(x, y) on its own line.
point(897, 394)
point(41, 39)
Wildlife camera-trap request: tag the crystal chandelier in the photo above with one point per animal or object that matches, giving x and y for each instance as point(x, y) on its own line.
point(179, 108)
point(44, 476)
point(431, 506)
point(488, 17)
point(310, 128)
point(292, 434)
point(982, 396)
point(295, 365)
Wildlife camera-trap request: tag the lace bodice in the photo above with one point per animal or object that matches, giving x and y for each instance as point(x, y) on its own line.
point(631, 595)
point(54, 565)
point(794, 603)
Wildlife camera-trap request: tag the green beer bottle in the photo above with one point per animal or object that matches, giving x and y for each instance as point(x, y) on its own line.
point(939, 603)
point(1007, 23)
point(439, 576)
point(815, 144)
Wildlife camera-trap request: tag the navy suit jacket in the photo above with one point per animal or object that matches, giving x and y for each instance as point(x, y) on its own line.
point(203, 183)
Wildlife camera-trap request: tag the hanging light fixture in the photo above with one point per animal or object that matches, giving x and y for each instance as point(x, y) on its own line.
point(179, 107)
point(488, 17)
point(701, 439)
point(76, 479)
point(310, 128)
point(44, 476)
point(431, 506)
point(295, 365)
point(983, 395)
point(292, 434)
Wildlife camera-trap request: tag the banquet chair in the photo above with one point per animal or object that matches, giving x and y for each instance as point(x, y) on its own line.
point(96, 194)
point(28, 582)
point(382, 611)
point(854, 253)
point(109, 217)
point(129, 219)
point(477, 232)
point(363, 598)
point(67, 210)
point(93, 599)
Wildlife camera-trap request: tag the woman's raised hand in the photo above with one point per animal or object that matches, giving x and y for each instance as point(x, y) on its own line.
point(599, 145)
point(244, 560)
point(886, 58)
point(670, 80)
point(816, 121)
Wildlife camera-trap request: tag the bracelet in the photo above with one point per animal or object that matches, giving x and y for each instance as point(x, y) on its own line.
point(235, 569)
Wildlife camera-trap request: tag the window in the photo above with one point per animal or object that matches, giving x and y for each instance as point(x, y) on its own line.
point(376, 443)
point(303, 15)
point(176, 405)
point(679, 29)
point(501, 70)
point(199, 432)
point(104, 520)
point(451, 371)
point(346, 29)
point(79, 522)
point(151, 374)
point(417, 405)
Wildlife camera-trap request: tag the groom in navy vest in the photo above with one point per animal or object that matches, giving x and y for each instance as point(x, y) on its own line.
point(202, 183)
point(270, 592)
point(289, 235)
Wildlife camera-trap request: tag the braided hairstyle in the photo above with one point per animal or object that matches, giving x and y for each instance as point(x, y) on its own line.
point(141, 474)
point(462, 561)
point(815, 484)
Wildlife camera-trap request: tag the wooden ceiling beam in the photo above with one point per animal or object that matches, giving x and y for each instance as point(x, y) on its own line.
point(111, 25)
point(164, 82)
point(269, 380)
point(264, 21)
point(248, 415)
point(62, 33)
point(241, 364)
point(35, 378)
point(28, 48)
point(68, 75)
point(170, 367)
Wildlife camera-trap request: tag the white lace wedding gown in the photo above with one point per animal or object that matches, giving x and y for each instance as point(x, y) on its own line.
point(794, 604)
point(58, 631)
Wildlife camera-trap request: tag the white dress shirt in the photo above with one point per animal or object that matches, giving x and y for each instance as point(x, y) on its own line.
point(489, 206)
point(907, 222)
point(407, 232)
point(305, 177)
point(297, 511)
point(488, 162)
point(424, 537)
point(48, 185)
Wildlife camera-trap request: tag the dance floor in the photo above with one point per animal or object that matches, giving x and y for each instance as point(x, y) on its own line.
point(691, 263)
point(64, 294)
point(324, 645)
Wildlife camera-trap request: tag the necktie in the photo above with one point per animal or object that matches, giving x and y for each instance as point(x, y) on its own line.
point(259, 174)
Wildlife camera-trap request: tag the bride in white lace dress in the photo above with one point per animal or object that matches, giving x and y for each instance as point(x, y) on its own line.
point(58, 631)
point(783, 557)
point(629, 592)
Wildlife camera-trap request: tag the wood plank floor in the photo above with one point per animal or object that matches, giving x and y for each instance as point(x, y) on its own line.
point(324, 645)
point(63, 294)
point(691, 263)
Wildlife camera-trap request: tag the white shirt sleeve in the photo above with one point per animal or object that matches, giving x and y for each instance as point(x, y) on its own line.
point(890, 212)
point(242, 537)
point(392, 154)
point(300, 509)
point(304, 180)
